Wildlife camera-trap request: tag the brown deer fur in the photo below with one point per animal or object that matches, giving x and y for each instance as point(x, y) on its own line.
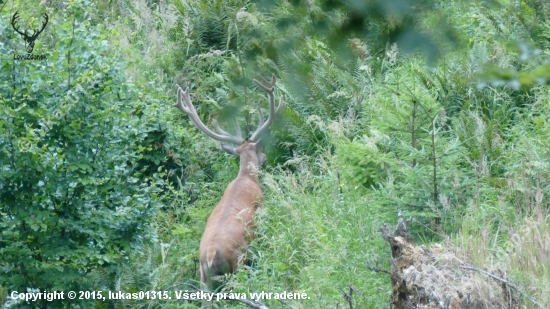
point(229, 228)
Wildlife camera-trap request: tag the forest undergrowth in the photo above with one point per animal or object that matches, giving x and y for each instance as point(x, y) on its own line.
point(372, 131)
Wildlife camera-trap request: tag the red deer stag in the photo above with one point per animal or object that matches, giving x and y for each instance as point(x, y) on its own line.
point(229, 227)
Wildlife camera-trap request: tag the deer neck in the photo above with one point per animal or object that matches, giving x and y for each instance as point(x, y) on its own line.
point(248, 166)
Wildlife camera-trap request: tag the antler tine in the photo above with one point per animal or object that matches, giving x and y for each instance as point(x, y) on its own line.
point(190, 110)
point(280, 106)
point(269, 88)
point(222, 131)
point(238, 128)
point(270, 85)
point(261, 117)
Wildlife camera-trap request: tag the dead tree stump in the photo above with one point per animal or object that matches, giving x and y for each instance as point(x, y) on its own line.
point(435, 277)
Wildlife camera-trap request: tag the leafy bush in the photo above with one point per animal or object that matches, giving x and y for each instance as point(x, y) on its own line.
point(71, 198)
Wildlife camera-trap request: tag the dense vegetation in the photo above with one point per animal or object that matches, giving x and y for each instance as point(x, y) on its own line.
point(435, 110)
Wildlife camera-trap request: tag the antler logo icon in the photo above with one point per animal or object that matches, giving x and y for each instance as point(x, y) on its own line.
point(29, 39)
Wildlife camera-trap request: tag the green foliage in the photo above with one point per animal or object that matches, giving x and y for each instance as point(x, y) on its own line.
point(368, 132)
point(72, 199)
point(365, 124)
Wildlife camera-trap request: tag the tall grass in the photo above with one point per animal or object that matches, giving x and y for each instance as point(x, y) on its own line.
point(316, 235)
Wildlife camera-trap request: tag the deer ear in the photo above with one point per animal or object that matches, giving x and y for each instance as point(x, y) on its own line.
point(230, 149)
point(262, 158)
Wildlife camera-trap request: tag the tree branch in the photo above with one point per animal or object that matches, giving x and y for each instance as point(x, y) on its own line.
point(508, 283)
point(253, 304)
point(378, 269)
point(285, 303)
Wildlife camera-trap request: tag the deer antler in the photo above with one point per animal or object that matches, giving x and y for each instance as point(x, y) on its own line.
point(190, 110)
point(223, 136)
point(269, 87)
